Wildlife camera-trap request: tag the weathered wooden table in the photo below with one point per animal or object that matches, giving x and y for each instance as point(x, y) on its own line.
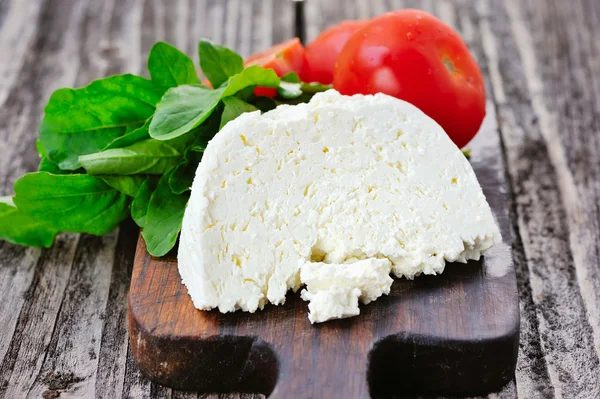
point(63, 328)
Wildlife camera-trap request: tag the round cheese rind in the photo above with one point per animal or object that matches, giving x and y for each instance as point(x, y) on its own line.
point(339, 179)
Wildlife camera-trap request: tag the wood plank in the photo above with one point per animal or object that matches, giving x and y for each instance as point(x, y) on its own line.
point(114, 345)
point(37, 320)
point(17, 265)
point(539, 177)
point(70, 360)
point(475, 29)
point(16, 34)
point(570, 127)
point(29, 81)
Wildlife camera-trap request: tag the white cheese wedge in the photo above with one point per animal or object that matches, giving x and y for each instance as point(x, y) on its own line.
point(336, 180)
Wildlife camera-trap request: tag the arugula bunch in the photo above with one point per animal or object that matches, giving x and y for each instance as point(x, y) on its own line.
point(129, 146)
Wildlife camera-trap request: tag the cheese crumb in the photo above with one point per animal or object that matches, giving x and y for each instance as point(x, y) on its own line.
point(335, 289)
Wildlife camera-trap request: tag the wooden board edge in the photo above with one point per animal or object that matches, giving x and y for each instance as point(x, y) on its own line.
point(468, 368)
point(215, 364)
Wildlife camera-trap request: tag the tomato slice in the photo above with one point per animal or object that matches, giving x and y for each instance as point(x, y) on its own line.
point(322, 53)
point(283, 58)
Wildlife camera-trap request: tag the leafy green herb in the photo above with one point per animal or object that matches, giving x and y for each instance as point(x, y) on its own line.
point(247, 94)
point(314, 87)
point(205, 132)
point(139, 206)
point(184, 108)
point(47, 165)
point(170, 67)
point(76, 203)
point(163, 218)
point(145, 157)
point(467, 153)
point(129, 138)
point(264, 104)
point(218, 63)
point(234, 107)
point(83, 121)
point(128, 185)
point(126, 145)
point(19, 228)
point(293, 91)
point(182, 177)
point(252, 76)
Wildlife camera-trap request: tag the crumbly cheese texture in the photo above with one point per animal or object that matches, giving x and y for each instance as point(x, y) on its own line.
point(337, 180)
point(335, 289)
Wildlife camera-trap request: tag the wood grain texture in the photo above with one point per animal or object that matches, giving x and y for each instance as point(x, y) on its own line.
point(454, 334)
point(546, 200)
point(542, 51)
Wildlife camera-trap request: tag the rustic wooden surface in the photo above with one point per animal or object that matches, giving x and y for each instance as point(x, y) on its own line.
point(63, 310)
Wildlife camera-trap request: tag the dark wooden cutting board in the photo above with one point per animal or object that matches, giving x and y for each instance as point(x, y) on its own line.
point(456, 333)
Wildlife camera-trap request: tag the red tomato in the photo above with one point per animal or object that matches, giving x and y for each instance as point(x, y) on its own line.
point(283, 58)
point(412, 55)
point(322, 52)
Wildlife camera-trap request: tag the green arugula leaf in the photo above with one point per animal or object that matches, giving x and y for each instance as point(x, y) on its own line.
point(291, 77)
point(163, 218)
point(47, 165)
point(246, 94)
point(76, 203)
point(182, 177)
point(252, 76)
point(128, 185)
point(133, 126)
point(234, 107)
point(169, 67)
point(184, 108)
point(145, 157)
point(132, 137)
point(83, 121)
point(265, 104)
point(21, 229)
point(40, 149)
point(218, 63)
point(204, 133)
point(139, 206)
point(183, 174)
point(314, 87)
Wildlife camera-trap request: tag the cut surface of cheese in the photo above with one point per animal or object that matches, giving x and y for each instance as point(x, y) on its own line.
point(338, 180)
point(334, 289)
